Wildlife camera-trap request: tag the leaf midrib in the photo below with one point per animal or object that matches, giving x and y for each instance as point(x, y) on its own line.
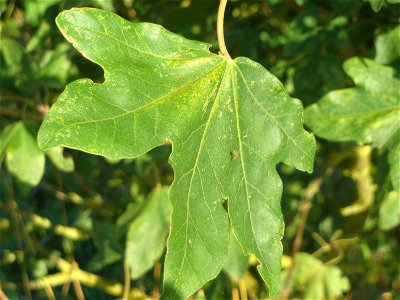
point(244, 172)
point(212, 112)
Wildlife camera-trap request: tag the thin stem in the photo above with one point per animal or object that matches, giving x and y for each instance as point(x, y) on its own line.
point(20, 114)
point(127, 276)
point(78, 290)
point(220, 29)
point(48, 290)
point(304, 208)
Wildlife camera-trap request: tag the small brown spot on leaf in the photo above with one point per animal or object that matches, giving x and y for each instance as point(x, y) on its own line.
point(234, 154)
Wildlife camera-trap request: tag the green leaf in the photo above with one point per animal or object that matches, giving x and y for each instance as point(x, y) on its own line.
point(388, 46)
point(394, 161)
point(389, 212)
point(54, 67)
point(376, 5)
point(147, 234)
point(366, 113)
point(108, 249)
point(125, 219)
point(5, 137)
point(331, 73)
point(237, 263)
point(24, 159)
point(12, 58)
point(12, 53)
point(62, 163)
point(16, 68)
point(230, 123)
point(317, 280)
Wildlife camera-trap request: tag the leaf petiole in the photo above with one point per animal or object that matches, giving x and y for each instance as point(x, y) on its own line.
point(220, 29)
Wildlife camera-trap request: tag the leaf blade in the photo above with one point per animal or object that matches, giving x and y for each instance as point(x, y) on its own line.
point(163, 86)
point(146, 236)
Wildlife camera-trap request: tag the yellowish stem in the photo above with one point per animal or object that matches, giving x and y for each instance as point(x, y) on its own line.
point(220, 29)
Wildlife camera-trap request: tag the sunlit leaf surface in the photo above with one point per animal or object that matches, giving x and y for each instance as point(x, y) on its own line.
point(230, 123)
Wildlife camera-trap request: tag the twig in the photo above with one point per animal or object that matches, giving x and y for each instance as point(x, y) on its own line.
point(93, 202)
point(3, 296)
point(335, 244)
point(156, 275)
point(235, 294)
point(49, 291)
point(78, 290)
point(304, 209)
point(18, 223)
point(69, 272)
point(25, 282)
point(220, 29)
point(68, 232)
point(20, 114)
point(66, 284)
point(16, 98)
point(242, 289)
point(127, 283)
point(10, 9)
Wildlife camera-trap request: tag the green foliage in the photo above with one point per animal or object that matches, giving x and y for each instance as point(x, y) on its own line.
point(389, 213)
point(147, 234)
point(388, 46)
point(314, 280)
point(376, 5)
point(64, 212)
point(367, 113)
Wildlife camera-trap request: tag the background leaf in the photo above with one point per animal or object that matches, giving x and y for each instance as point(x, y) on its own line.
point(388, 46)
point(237, 263)
point(394, 161)
point(24, 159)
point(65, 164)
point(389, 213)
point(376, 4)
point(147, 234)
point(108, 249)
point(367, 113)
point(319, 281)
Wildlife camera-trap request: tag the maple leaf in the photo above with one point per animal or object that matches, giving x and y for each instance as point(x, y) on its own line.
point(230, 123)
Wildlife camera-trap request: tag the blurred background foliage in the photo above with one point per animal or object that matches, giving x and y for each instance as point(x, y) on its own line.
point(76, 226)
